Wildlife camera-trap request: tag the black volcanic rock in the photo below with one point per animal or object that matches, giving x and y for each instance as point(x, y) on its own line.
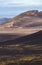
point(35, 38)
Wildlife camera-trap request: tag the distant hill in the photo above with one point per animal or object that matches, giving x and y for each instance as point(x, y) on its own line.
point(32, 18)
point(35, 38)
point(4, 20)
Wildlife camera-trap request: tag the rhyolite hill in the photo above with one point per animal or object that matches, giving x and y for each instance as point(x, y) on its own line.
point(32, 18)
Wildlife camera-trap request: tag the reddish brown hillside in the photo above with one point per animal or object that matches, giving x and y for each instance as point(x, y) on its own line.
point(27, 19)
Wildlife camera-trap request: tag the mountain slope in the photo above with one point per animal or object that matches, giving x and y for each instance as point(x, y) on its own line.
point(35, 38)
point(32, 18)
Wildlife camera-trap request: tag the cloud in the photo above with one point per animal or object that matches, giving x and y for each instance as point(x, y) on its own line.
point(12, 3)
point(34, 4)
point(4, 3)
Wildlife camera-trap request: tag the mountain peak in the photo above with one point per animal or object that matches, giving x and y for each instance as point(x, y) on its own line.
point(32, 12)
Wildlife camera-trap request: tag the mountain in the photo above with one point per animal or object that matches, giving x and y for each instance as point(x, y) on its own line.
point(20, 44)
point(32, 18)
point(3, 20)
point(32, 39)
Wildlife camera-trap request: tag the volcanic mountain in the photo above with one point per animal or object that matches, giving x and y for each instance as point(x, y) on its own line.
point(20, 26)
point(32, 18)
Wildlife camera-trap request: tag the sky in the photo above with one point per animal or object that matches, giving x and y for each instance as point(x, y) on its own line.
point(9, 3)
point(11, 8)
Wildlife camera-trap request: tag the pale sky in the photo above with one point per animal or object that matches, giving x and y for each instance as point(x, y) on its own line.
point(11, 8)
point(4, 3)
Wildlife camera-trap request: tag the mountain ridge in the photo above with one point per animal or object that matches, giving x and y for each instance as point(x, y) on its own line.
point(35, 38)
point(27, 19)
